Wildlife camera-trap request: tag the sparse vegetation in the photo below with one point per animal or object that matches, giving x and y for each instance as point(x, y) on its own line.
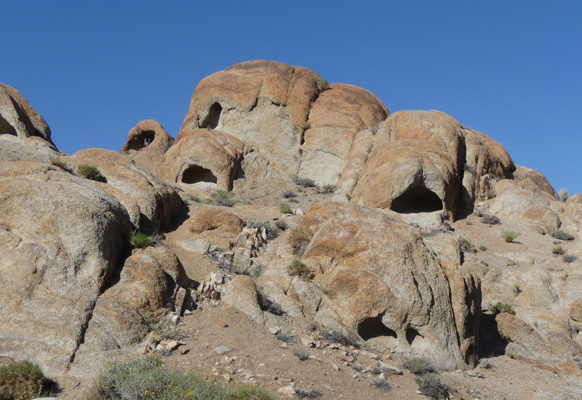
point(272, 232)
point(509, 236)
point(517, 289)
point(299, 238)
point(285, 208)
point(162, 328)
point(568, 258)
point(305, 182)
point(223, 198)
point(284, 337)
point(558, 250)
point(466, 245)
point(431, 386)
point(322, 85)
point(327, 189)
point(139, 240)
point(307, 394)
point(58, 162)
point(418, 366)
point(282, 225)
point(297, 268)
point(90, 172)
point(301, 355)
point(24, 380)
point(382, 385)
point(483, 248)
point(490, 219)
point(289, 194)
point(561, 235)
point(194, 199)
point(564, 194)
point(499, 307)
point(338, 337)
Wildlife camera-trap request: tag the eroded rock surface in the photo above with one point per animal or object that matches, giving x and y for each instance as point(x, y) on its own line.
point(146, 144)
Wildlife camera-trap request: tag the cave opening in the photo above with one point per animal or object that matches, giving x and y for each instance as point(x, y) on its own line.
point(141, 140)
point(417, 198)
point(6, 128)
point(195, 174)
point(213, 116)
point(414, 338)
point(371, 328)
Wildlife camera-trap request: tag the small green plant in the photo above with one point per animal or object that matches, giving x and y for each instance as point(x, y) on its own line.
point(500, 307)
point(509, 236)
point(301, 355)
point(418, 366)
point(299, 238)
point(483, 248)
point(322, 85)
point(223, 198)
point(561, 235)
point(490, 219)
point(297, 268)
point(24, 380)
point(139, 240)
point(289, 194)
point(91, 172)
point(250, 392)
point(568, 258)
point(327, 189)
point(194, 199)
point(307, 394)
point(558, 250)
point(285, 208)
point(305, 182)
point(282, 225)
point(382, 385)
point(466, 245)
point(564, 194)
point(431, 386)
point(485, 363)
point(58, 162)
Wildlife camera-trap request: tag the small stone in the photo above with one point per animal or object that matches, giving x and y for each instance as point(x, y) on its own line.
point(283, 345)
point(335, 367)
point(222, 350)
point(289, 390)
point(172, 345)
point(307, 341)
point(382, 376)
point(223, 324)
point(184, 350)
point(227, 360)
point(368, 354)
point(274, 330)
point(390, 369)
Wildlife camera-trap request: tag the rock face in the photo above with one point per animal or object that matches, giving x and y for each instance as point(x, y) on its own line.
point(146, 144)
point(426, 161)
point(18, 118)
point(375, 276)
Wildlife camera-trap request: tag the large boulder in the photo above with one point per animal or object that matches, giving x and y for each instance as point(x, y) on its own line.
point(378, 279)
point(424, 161)
point(18, 118)
point(146, 144)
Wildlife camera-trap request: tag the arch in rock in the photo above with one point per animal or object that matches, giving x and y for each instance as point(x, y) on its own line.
point(213, 117)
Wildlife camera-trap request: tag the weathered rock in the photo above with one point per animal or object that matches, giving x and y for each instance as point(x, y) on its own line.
point(18, 118)
point(204, 159)
point(150, 203)
point(384, 284)
point(212, 225)
point(576, 310)
point(146, 144)
point(241, 293)
point(537, 178)
point(62, 238)
point(573, 213)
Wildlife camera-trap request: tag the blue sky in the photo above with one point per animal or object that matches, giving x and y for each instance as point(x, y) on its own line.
point(510, 69)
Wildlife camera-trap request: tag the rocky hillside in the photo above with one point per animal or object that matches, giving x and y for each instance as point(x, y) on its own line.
point(290, 215)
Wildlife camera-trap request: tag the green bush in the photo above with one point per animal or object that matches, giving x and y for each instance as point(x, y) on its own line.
point(466, 245)
point(299, 238)
point(382, 385)
point(431, 386)
point(285, 208)
point(561, 235)
point(418, 366)
point(282, 225)
point(91, 172)
point(558, 250)
point(490, 220)
point(223, 198)
point(289, 194)
point(139, 240)
point(305, 182)
point(568, 258)
point(322, 85)
point(509, 236)
point(499, 307)
point(301, 355)
point(24, 380)
point(327, 189)
point(297, 268)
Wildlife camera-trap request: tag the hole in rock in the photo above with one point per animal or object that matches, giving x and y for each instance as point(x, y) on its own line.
point(371, 328)
point(196, 174)
point(414, 338)
point(142, 140)
point(213, 117)
point(415, 199)
point(5, 127)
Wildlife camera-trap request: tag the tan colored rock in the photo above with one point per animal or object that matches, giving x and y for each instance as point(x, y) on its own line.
point(241, 293)
point(542, 219)
point(576, 310)
point(573, 213)
point(146, 144)
point(204, 159)
point(384, 284)
point(537, 178)
point(421, 159)
point(18, 118)
point(150, 203)
point(214, 225)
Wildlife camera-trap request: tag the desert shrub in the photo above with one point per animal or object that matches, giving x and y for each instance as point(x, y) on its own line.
point(327, 189)
point(24, 380)
point(162, 327)
point(483, 248)
point(250, 392)
point(561, 235)
point(194, 199)
point(297, 268)
point(500, 307)
point(431, 386)
point(223, 198)
point(466, 245)
point(289, 194)
point(307, 394)
point(301, 355)
point(285, 208)
point(558, 250)
point(564, 194)
point(284, 337)
point(139, 240)
point(305, 182)
point(490, 219)
point(58, 162)
point(272, 232)
point(322, 85)
point(568, 258)
point(485, 363)
point(418, 366)
point(299, 238)
point(509, 236)
point(382, 385)
point(91, 172)
point(338, 337)
point(282, 225)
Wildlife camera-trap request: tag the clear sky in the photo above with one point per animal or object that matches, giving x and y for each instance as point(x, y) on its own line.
point(510, 69)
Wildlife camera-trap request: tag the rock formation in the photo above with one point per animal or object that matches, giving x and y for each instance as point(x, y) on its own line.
point(146, 144)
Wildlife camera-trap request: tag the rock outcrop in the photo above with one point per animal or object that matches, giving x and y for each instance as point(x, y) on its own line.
point(146, 144)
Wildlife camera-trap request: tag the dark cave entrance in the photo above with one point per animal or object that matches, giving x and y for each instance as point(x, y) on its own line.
point(142, 140)
point(417, 198)
point(195, 174)
point(371, 328)
point(6, 128)
point(213, 117)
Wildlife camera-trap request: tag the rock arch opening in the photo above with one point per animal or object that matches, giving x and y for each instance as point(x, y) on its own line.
point(143, 139)
point(371, 328)
point(197, 174)
point(417, 198)
point(213, 117)
point(414, 338)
